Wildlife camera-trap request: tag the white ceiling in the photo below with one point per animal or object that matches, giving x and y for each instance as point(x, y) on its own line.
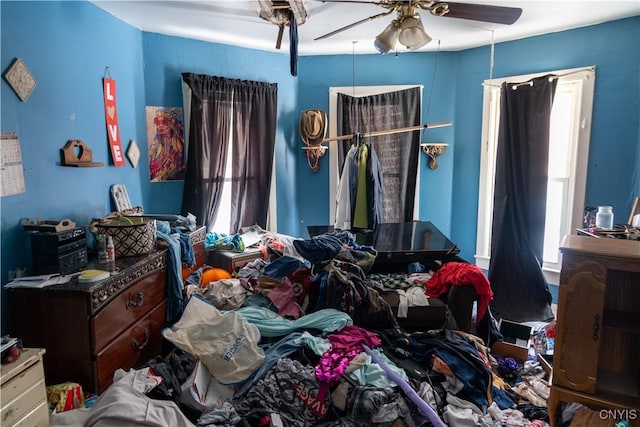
point(236, 23)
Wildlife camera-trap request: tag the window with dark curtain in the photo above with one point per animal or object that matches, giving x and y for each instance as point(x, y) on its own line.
point(397, 153)
point(521, 292)
point(227, 111)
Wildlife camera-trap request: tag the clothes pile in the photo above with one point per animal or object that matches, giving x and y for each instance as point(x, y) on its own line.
point(288, 341)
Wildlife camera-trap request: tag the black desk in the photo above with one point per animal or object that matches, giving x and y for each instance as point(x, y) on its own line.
point(401, 243)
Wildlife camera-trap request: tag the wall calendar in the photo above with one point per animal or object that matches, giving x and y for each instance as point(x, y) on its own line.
point(11, 172)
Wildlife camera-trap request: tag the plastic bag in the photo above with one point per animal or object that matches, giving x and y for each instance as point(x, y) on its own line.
point(224, 341)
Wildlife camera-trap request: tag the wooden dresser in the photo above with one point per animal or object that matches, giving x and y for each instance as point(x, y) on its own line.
point(91, 330)
point(597, 348)
point(23, 392)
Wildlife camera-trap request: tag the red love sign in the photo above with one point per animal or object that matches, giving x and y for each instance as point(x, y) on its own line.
point(111, 114)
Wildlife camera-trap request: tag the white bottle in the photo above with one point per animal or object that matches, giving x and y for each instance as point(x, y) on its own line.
point(604, 218)
point(111, 250)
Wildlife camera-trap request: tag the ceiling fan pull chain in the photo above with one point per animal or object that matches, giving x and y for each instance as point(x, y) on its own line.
point(435, 70)
point(353, 67)
point(492, 55)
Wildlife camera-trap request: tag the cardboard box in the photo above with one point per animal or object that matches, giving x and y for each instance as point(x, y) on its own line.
point(516, 340)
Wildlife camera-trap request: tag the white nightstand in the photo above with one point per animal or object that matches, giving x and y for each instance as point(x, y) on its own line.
point(23, 394)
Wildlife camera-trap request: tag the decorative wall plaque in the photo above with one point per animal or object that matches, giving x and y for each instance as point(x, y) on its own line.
point(20, 79)
point(133, 153)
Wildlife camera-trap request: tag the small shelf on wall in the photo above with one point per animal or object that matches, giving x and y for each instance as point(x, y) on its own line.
point(77, 154)
point(433, 150)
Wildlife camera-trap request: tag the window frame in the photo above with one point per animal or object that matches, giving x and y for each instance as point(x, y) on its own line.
point(585, 78)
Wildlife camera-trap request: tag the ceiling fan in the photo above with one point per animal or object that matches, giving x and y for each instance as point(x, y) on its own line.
point(282, 13)
point(285, 14)
point(407, 28)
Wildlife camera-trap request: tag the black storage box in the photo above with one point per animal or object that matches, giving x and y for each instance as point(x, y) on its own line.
point(63, 252)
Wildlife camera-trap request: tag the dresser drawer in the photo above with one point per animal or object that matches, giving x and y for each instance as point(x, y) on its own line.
point(22, 382)
point(135, 346)
point(16, 409)
point(38, 417)
point(132, 304)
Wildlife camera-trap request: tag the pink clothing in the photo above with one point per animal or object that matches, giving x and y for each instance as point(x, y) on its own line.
point(345, 345)
point(284, 298)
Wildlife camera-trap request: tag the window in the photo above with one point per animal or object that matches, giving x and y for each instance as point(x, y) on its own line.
point(568, 156)
point(222, 223)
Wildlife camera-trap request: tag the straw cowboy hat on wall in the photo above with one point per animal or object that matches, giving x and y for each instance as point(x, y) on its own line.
point(313, 127)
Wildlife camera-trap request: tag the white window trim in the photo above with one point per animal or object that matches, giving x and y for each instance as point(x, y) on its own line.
point(586, 75)
point(334, 174)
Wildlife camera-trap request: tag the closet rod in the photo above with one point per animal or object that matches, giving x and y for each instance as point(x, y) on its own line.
point(389, 131)
point(553, 77)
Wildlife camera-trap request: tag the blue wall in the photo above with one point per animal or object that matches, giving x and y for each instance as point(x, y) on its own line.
point(69, 45)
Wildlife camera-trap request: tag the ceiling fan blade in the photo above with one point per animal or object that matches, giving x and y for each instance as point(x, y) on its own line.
point(279, 39)
point(483, 12)
point(362, 21)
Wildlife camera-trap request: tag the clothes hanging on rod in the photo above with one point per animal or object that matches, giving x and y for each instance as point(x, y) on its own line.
point(345, 193)
point(359, 196)
point(374, 189)
point(360, 217)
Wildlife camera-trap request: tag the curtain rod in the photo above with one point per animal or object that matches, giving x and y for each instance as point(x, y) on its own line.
point(530, 81)
point(389, 131)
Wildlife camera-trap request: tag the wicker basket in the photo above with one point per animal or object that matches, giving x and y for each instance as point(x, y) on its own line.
point(132, 235)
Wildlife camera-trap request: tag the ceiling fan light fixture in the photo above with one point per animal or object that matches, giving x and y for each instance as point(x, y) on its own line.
point(388, 38)
point(423, 42)
point(411, 33)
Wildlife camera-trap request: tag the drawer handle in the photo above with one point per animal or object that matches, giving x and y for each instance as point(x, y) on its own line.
point(596, 327)
point(137, 302)
point(145, 341)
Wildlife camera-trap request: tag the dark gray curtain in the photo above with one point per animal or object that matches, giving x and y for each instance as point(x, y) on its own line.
point(397, 153)
point(243, 112)
point(521, 292)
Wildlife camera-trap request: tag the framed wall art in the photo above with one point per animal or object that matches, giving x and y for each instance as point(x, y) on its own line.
point(20, 79)
point(165, 136)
